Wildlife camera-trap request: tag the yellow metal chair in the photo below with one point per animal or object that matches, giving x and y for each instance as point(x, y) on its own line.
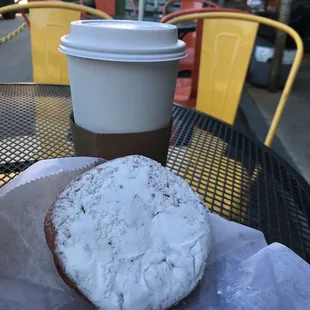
point(227, 43)
point(49, 22)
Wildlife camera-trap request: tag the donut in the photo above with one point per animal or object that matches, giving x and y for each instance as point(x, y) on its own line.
point(129, 234)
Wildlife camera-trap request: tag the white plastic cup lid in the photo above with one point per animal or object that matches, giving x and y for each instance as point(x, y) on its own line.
point(123, 41)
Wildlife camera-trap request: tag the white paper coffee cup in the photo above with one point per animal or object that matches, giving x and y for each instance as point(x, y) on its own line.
point(122, 74)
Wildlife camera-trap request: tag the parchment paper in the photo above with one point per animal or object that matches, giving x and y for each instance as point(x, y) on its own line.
point(242, 273)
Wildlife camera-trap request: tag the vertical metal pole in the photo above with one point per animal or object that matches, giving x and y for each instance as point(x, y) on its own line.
point(221, 3)
point(141, 10)
point(120, 7)
point(284, 17)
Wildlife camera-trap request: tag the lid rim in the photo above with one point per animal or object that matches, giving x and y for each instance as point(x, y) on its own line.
point(123, 57)
point(92, 23)
point(178, 47)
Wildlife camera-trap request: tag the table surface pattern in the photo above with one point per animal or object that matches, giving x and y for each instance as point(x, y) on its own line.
point(237, 177)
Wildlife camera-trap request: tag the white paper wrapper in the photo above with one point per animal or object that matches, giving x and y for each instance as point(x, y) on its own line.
point(242, 272)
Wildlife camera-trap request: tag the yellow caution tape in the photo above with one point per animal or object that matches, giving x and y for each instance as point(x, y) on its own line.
point(13, 33)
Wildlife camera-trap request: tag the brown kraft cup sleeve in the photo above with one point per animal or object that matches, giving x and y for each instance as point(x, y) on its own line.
point(152, 144)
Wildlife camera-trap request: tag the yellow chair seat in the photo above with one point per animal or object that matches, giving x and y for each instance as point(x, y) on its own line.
point(25, 152)
point(220, 181)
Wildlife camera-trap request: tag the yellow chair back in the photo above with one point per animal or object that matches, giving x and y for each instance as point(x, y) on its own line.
point(227, 43)
point(225, 54)
point(47, 26)
point(221, 182)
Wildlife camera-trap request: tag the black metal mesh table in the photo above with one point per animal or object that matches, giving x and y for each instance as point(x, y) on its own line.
point(237, 177)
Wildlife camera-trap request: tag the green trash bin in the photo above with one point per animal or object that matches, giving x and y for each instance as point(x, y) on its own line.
point(120, 7)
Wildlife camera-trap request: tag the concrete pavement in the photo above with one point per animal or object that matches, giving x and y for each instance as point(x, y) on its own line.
point(15, 55)
point(294, 127)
